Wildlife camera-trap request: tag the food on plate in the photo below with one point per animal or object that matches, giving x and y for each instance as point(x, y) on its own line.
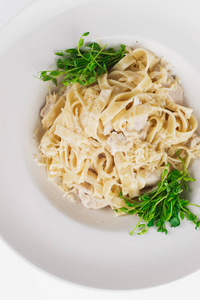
point(163, 204)
point(117, 133)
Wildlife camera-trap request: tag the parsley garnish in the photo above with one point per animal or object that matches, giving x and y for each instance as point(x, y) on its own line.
point(84, 66)
point(163, 204)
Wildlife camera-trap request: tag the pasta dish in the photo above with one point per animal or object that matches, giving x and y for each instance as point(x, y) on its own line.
point(117, 134)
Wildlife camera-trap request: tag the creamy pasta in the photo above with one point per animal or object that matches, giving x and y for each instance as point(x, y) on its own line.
point(119, 133)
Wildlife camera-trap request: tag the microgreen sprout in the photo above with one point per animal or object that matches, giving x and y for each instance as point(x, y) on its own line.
point(163, 204)
point(84, 64)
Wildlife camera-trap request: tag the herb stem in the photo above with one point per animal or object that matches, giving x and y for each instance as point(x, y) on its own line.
point(131, 233)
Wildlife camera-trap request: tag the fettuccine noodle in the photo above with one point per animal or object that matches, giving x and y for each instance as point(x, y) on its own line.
point(118, 134)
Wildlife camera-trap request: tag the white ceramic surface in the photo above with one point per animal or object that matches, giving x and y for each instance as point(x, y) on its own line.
point(90, 248)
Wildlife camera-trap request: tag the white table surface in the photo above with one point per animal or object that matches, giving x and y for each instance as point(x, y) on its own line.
point(19, 280)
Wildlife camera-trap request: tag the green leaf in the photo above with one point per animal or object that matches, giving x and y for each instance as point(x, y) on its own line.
point(131, 212)
point(197, 224)
point(141, 226)
point(92, 66)
point(182, 215)
point(174, 221)
point(80, 43)
point(128, 203)
point(65, 83)
point(143, 231)
point(43, 73)
point(162, 230)
point(165, 172)
point(145, 196)
point(54, 81)
point(191, 217)
point(123, 209)
point(184, 202)
point(94, 46)
point(100, 72)
point(59, 53)
point(71, 51)
point(151, 222)
point(122, 48)
point(85, 33)
point(46, 78)
point(88, 56)
point(159, 223)
point(55, 73)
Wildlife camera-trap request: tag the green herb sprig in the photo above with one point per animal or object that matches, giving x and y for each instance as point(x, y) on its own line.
point(163, 204)
point(84, 66)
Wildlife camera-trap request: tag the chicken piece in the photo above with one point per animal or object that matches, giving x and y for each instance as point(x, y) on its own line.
point(117, 142)
point(90, 201)
point(50, 102)
point(176, 95)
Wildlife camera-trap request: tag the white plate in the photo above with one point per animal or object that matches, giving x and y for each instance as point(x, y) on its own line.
point(86, 247)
